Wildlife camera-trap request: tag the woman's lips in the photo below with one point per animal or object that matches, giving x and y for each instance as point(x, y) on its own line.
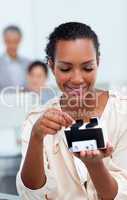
point(75, 91)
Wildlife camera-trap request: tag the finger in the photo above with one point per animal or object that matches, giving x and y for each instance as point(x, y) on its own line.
point(77, 154)
point(109, 150)
point(82, 154)
point(61, 117)
point(68, 118)
point(48, 130)
point(50, 113)
point(51, 124)
point(109, 146)
point(89, 154)
point(96, 153)
point(56, 116)
point(63, 120)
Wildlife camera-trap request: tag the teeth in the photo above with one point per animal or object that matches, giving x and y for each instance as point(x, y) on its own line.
point(76, 88)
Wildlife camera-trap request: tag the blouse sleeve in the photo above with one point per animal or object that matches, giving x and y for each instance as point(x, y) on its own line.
point(24, 192)
point(118, 163)
point(118, 166)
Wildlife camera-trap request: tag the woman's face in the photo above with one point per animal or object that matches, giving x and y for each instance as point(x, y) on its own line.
point(36, 79)
point(75, 66)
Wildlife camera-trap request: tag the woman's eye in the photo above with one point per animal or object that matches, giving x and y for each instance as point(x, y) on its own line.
point(88, 69)
point(64, 70)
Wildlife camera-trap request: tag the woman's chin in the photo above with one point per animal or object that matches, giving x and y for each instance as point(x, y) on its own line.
point(73, 96)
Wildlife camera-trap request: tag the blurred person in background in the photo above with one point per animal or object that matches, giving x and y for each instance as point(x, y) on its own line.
point(12, 66)
point(13, 73)
point(37, 75)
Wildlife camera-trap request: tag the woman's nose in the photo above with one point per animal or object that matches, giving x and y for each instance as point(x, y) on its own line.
point(77, 78)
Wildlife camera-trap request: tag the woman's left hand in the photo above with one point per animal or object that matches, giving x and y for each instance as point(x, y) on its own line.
point(95, 155)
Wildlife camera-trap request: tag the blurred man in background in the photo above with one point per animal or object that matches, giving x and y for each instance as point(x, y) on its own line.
point(12, 66)
point(12, 74)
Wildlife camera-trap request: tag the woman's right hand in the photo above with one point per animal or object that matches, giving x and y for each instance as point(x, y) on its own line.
point(51, 122)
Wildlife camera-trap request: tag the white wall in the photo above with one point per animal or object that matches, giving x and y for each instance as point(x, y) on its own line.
point(18, 12)
point(37, 18)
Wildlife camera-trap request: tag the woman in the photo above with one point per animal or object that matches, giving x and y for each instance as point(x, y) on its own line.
point(48, 169)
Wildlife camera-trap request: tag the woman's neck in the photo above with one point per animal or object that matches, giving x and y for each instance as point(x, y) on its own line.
point(92, 105)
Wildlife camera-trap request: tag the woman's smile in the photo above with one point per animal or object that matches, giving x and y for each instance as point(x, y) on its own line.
point(76, 91)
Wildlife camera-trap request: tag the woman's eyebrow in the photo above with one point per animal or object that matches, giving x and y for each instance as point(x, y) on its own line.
point(65, 63)
point(88, 62)
point(69, 63)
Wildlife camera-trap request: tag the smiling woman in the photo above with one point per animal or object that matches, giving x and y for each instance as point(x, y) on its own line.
point(77, 71)
point(49, 170)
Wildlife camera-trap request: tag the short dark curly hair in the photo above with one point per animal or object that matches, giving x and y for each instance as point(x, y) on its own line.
point(70, 31)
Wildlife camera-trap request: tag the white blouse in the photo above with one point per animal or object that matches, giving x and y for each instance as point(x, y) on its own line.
point(66, 174)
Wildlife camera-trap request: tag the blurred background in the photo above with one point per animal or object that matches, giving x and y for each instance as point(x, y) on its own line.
point(36, 19)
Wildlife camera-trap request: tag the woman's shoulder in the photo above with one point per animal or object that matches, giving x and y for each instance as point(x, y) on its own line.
point(118, 96)
point(118, 101)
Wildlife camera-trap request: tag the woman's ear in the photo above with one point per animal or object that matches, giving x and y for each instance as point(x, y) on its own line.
point(51, 65)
